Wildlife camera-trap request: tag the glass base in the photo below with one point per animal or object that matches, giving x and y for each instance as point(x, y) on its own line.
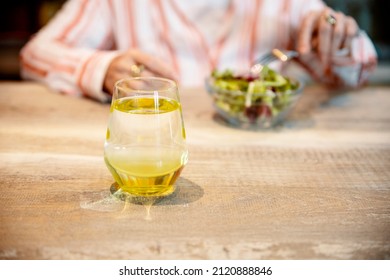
point(152, 192)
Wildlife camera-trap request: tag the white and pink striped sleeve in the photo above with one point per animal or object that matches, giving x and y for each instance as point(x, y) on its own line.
point(71, 53)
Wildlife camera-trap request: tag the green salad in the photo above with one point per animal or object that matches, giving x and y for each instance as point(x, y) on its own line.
point(265, 95)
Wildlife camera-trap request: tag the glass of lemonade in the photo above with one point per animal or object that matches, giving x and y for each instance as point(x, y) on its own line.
point(145, 148)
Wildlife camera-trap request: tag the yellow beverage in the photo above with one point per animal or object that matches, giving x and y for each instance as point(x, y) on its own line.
point(145, 146)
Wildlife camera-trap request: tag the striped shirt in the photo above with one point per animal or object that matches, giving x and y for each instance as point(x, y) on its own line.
point(72, 53)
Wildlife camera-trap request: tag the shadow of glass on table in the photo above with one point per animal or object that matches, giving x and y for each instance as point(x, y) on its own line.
point(106, 201)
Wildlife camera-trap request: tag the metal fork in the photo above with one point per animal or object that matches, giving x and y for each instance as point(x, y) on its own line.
point(282, 55)
point(273, 55)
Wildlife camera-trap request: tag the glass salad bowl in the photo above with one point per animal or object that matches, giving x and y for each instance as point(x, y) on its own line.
point(253, 102)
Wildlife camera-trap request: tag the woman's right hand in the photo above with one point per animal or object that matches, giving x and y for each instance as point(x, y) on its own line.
point(133, 63)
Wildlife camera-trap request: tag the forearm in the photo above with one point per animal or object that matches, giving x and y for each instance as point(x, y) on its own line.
point(71, 53)
point(71, 71)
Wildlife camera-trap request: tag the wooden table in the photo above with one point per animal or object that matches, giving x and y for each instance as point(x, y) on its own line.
point(316, 188)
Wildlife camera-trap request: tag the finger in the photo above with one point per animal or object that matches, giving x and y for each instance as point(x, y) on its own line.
point(153, 64)
point(312, 64)
point(351, 30)
point(125, 67)
point(314, 43)
point(339, 33)
point(305, 33)
point(147, 73)
point(325, 33)
point(128, 67)
point(121, 66)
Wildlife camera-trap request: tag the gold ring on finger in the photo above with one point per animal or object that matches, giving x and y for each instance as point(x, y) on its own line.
point(136, 70)
point(331, 19)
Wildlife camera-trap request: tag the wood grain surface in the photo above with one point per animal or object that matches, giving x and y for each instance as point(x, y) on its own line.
point(317, 187)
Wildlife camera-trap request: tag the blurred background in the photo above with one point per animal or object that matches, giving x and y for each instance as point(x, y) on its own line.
point(20, 19)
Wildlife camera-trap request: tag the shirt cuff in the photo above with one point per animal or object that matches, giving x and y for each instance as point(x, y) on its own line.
point(93, 73)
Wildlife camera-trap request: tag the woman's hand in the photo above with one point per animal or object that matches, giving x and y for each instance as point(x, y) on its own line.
point(324, 38)
point(135, 63)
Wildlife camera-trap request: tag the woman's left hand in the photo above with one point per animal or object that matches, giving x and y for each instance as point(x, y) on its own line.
point(321, 37)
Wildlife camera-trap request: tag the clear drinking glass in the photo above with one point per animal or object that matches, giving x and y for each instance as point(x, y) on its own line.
point(145, 148)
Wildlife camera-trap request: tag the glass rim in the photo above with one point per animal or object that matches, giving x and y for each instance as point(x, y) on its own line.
point(172, 84)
